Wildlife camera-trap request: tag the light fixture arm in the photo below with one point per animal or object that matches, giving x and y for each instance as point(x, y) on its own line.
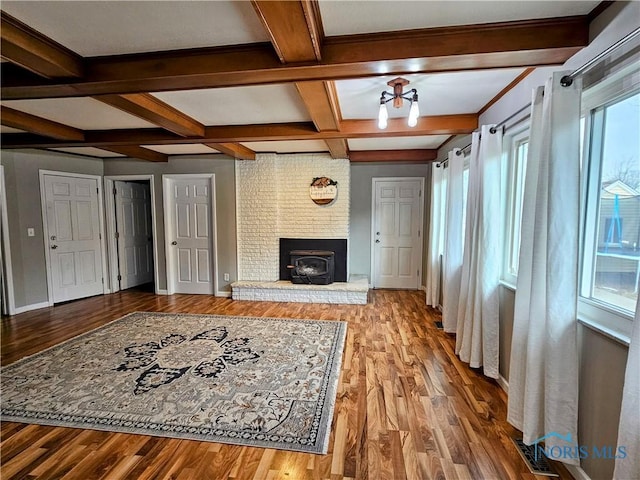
point(398, 96)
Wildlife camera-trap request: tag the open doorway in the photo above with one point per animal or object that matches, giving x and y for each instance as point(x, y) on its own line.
point(131, 233)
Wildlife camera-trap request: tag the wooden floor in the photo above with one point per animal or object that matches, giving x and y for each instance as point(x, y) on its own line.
point(407, 408)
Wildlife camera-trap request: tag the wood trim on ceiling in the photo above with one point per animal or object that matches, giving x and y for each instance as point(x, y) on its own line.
point(293, 33)
point(503, 45)
point(24, 46)
point(428, 125)
point(154, 110)
point(135, 151)
point(415, 155)
point(505, 90)
point(38, 125)
point(235, 150)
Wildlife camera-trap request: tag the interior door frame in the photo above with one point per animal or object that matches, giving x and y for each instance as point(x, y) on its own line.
point(374, 180)
point(45, 226)
point(168, 204)
point(110, 215)
point(6, 250)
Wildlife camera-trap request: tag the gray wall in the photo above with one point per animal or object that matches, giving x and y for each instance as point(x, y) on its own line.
point(24, 211)
point(224, 170)
point(360, 228)
point(602, 360)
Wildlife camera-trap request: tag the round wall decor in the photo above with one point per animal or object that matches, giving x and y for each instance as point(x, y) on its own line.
point(323, 190)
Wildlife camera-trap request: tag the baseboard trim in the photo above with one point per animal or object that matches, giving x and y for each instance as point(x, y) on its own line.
point(162, 292)
point(33, 306)
point(504, 384)
point(577, 472)
point(223, 294)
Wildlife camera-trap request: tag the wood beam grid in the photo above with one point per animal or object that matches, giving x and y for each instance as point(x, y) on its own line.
point(505, 45)
point(428, 125)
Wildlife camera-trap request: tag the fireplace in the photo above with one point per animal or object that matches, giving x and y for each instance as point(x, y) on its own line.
point(321, 253)
point(314, 267)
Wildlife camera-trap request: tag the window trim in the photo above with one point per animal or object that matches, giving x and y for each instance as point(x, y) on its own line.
point(511, 142)
point(604, 317)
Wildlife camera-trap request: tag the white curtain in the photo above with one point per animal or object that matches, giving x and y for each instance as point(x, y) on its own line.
point(543, 379)
point(629, 428)
point(478, 321)
point(436, 235)
point(453, 241)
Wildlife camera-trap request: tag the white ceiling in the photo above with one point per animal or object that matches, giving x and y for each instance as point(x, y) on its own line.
point(349, 17)
point(239, 105)
point(114, 27)
point(397, 143)
point(92, 28)
point(89, 151)
point(79, 112)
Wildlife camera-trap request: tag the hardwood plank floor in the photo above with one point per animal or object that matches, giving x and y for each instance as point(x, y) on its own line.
point(406, 407)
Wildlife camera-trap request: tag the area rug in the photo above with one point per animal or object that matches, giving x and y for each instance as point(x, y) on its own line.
point(263, 382)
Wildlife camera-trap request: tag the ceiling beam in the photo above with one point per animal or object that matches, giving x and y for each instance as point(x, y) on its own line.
point(235, 150)
point(296, 34)
point(527, 43)
point(38, 125)
point(417, 155)
point(24, 46)
point(292, 27)
point(428, 125)
point(154, 110)
point(140, 153)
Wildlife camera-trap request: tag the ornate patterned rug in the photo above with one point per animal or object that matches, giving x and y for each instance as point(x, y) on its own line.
point(263, 382)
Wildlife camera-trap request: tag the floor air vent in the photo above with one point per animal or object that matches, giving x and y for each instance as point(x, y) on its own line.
point(538, 466)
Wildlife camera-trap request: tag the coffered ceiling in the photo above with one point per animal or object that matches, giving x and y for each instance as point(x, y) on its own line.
point(149, 79)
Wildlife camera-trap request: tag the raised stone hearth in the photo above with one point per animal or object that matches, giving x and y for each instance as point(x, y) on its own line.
point(353, 292)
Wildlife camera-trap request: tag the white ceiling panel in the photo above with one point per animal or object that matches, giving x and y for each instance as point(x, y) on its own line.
point(194, 148)
point(116, 27)
point(84, 113)
point(240, 105)
point(349, 17)
point(89, 151)
point(397, 143)
point(438, 94)
point(292, 146)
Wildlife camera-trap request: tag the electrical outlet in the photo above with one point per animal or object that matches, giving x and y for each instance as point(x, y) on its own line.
point(31, 232)
point(226, 277)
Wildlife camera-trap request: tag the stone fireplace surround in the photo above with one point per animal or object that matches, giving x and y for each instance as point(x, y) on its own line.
point(273, 202)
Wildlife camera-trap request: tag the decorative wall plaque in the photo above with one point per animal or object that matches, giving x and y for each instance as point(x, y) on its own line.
point(323, 190)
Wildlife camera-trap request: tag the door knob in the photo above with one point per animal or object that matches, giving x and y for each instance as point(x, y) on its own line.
point(53, 237)
point(377, 233)
point(53, 247)
point(174, 243)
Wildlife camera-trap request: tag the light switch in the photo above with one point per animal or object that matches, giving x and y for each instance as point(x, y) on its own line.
point(31, 232)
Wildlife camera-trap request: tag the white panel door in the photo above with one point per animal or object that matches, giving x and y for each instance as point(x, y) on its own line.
point(73, 226)
point(191, 239)
point(397, 236)
point(134, 233)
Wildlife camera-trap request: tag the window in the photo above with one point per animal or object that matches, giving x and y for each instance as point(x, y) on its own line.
point(516, 146)
point(611, 249)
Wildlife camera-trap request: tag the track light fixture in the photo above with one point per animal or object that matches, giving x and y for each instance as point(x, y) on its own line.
point(398, 96)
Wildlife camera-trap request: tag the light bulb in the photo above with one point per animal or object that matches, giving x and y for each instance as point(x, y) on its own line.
point(383, 115)
point(414, 113)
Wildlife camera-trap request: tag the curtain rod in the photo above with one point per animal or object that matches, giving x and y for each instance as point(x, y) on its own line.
point(567, 80)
